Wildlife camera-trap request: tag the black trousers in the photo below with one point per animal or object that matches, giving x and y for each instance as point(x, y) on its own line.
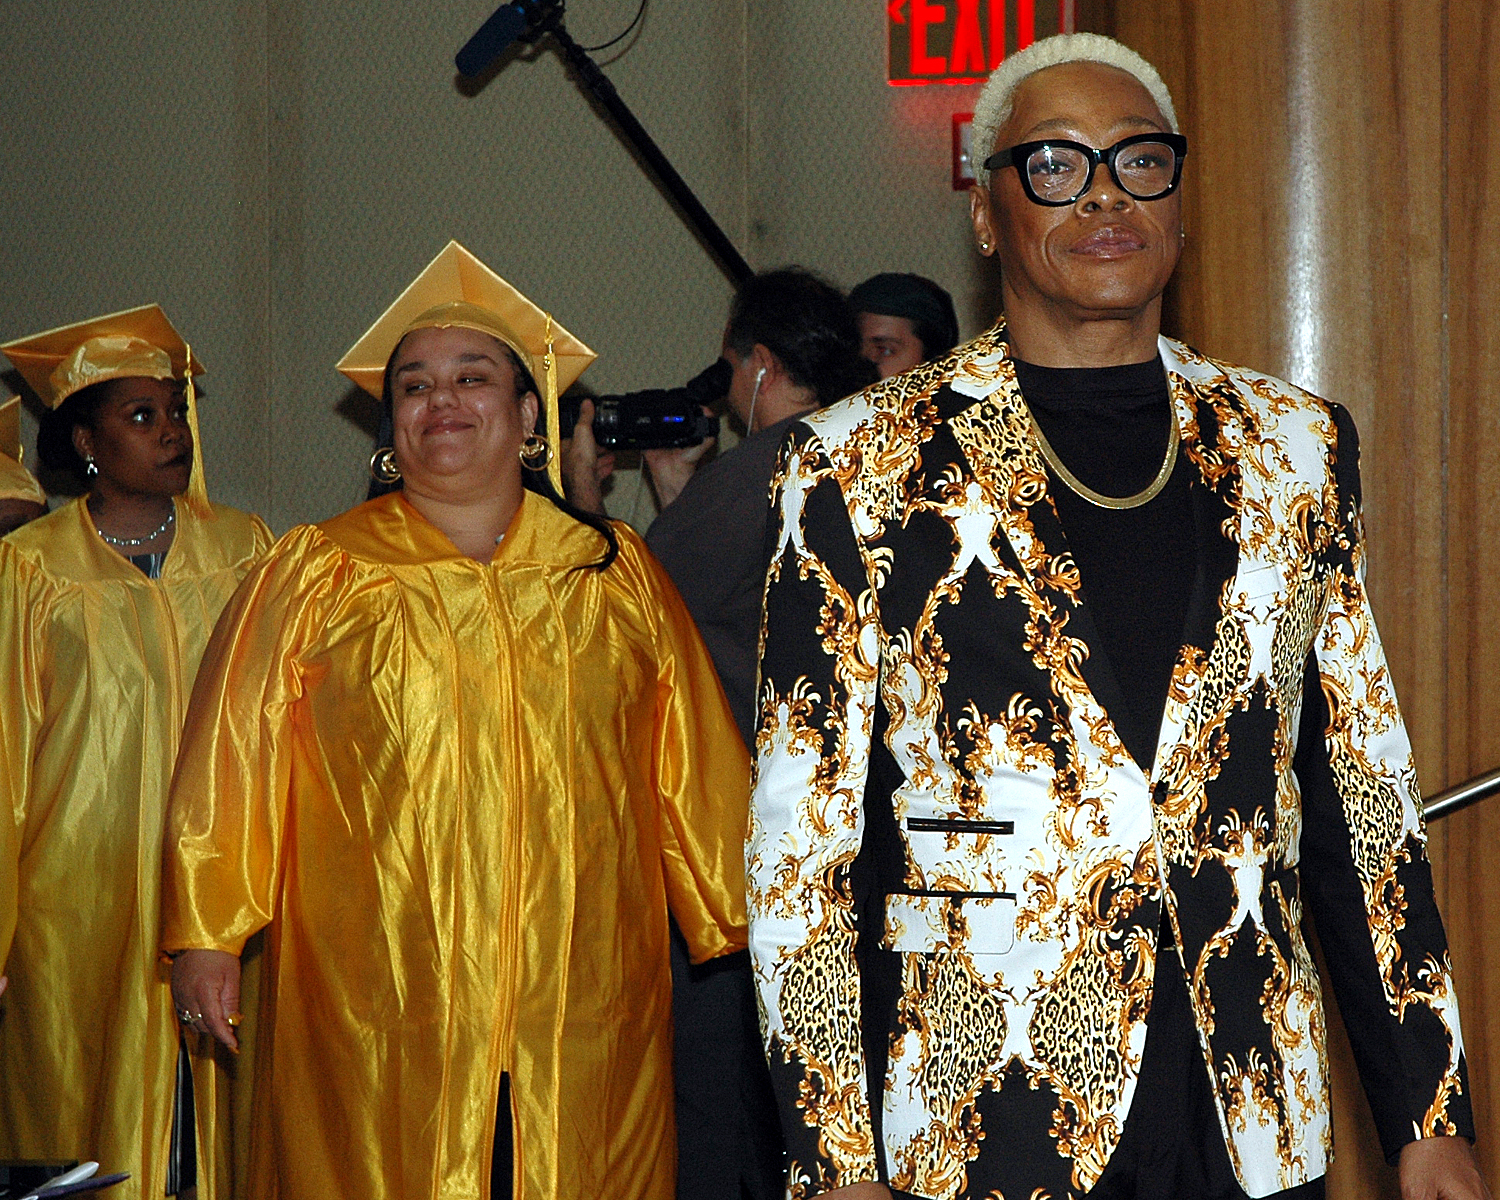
point(503, 1163)
point(182, 1155)
point(728, 1131)
point(1172, 1147)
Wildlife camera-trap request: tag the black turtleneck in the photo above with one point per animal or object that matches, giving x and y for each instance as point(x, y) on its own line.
point(1109, 426)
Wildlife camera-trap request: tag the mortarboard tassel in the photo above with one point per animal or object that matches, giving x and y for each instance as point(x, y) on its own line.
point(554, 417)
point(197, 493)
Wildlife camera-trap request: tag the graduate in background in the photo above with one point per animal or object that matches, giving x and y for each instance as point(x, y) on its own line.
point(105, 607)
point(21, 500)
point(457, 750)
point(21, 496)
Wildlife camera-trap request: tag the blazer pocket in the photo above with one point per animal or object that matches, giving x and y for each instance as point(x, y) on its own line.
point(956, 825)
point(925, 922)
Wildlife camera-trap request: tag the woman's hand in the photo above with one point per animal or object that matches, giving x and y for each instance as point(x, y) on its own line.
point(584, 468)
point(206, 989)
point(671, 469)
point(1441, 1168)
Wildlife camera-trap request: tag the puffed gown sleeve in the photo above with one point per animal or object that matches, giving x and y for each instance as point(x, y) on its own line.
point(227, 810)
point(702, 776)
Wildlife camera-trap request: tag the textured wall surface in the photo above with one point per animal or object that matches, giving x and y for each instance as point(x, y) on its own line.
point(274, 171)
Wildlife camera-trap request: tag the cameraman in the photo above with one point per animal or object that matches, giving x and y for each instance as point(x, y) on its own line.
point(794, 346)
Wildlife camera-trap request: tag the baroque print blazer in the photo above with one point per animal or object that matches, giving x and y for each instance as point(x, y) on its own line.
point(957, 872)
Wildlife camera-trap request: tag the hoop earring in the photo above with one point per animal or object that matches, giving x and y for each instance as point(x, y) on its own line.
point(88, 466)
point(536, 452)
point(383, 468)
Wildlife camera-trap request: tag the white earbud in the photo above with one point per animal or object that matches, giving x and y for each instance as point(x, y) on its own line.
point(755, 395)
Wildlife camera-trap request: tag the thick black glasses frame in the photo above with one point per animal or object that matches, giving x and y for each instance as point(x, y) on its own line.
point(1016, 157)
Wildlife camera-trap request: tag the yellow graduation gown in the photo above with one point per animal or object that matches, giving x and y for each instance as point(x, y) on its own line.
point(460, 797)
point(96, 666)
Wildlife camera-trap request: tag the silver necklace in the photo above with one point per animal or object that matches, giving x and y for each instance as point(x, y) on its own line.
point(129, 543)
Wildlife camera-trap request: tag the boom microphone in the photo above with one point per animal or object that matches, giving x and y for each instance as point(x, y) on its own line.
point(532, 20)
point(506, 24)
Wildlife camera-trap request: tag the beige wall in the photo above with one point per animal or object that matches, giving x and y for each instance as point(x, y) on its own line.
point(274, 171)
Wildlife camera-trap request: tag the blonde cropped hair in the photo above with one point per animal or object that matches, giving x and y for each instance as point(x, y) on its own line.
point(996, 101)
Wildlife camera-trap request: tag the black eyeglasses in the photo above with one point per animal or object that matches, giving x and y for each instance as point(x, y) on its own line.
point(1147, 166)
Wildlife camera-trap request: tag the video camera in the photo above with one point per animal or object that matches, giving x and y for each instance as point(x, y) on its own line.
point(656, 419)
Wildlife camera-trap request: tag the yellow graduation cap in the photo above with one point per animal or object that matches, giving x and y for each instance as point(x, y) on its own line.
point(16, 482)
point(456, 289)
point(138, 343)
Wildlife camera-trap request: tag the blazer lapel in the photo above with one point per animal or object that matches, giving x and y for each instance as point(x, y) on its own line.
point(993, 431)
point(994, 434)
point(1097, 669)
point(1216, 529)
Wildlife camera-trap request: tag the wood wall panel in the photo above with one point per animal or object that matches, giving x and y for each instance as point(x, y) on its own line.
point(1339, 206)
point(1465, 845)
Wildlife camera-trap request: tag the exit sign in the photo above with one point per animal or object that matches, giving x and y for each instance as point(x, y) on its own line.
point(962, 41)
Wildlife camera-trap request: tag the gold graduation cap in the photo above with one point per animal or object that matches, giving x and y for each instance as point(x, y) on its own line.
point(16, 482)
point(134, 344)
point(456, 289)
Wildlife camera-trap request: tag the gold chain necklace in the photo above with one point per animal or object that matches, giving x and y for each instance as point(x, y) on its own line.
point(1153, 489)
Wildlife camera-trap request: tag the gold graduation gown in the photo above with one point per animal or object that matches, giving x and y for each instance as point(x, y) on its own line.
point(96, 666)
point(460, 797)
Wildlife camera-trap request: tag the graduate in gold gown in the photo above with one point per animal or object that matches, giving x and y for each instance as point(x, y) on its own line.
point(105, 607)
point(21, 500)
point(21, 496)
point(458, 751)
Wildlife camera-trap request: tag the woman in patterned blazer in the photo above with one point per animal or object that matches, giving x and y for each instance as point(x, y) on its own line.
point(1071, 704)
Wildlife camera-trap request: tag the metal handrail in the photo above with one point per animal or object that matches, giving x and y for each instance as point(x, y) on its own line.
point(1445, 804)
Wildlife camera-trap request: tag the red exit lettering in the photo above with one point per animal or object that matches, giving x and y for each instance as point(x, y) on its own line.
point(923, 16)
point(961, 41)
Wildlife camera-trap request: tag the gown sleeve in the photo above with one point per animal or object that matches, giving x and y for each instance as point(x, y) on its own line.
point(702, 775)
point(227, 809)
point(23, 608)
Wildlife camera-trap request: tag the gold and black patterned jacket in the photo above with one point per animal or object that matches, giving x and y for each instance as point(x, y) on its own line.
point(957, 871)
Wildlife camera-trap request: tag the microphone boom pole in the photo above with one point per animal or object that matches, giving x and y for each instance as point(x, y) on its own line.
point(544, 17)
